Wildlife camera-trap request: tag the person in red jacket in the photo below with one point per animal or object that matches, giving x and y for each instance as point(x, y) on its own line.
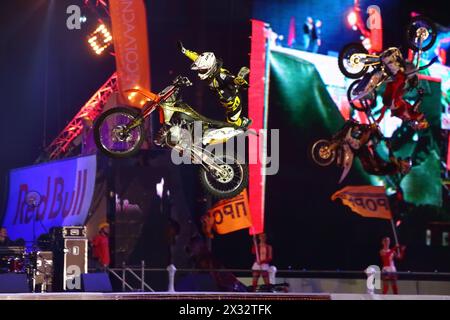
point(387, 256)
point(263, 253)
point(403, 75)
point(100, 246)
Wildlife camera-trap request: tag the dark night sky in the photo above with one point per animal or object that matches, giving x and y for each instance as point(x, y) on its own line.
point(47, 72)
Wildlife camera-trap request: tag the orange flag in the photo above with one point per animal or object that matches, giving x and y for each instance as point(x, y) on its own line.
point(367, 201)
point(231, 214)
point(129, 27)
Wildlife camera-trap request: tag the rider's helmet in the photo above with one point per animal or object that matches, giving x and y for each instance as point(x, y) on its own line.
point(393, 60)
point(206, 65)
point(357, 131)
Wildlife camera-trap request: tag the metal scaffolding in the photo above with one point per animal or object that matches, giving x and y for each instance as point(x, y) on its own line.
point(62, 145)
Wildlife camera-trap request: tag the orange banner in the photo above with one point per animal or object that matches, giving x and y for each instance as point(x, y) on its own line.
point(129, 28)
point(367, 201)
point(231, 214)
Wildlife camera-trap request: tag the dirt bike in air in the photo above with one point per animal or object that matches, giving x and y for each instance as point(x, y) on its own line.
point(119, 133)
point(371, 69)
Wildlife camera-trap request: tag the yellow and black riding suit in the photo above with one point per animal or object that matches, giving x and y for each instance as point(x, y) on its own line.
point(228, 88)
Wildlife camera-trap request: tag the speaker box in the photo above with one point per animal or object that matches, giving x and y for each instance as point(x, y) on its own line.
point(14, 283)
point(70, 261)
point(96, 282)
point(197, 282)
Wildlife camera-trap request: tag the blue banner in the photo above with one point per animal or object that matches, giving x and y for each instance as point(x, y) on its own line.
point(48, 195)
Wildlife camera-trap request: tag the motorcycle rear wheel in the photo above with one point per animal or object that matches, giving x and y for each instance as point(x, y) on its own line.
point(322, 154)
point(111, 136)
point(348, 67)
point(363, 104)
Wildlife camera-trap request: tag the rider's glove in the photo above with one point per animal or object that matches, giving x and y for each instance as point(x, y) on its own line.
point(240, 81)
point(180, 46)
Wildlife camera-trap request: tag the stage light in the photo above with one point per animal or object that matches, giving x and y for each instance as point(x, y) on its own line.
point(160, 188)
point(352, 18)
point(100, 39)
point(83, 19)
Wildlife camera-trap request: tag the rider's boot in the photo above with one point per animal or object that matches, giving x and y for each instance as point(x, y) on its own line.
point(420, 125)
point(246, 122)
point(159, 139)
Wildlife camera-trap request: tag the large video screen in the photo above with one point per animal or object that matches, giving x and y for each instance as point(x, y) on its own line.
point(308, 101)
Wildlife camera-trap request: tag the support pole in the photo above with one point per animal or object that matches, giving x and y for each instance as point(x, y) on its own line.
point(255, 243)
point(172, 270)
point(142, 275)
point(272, 275)
point(123, 276)
point(394, 231)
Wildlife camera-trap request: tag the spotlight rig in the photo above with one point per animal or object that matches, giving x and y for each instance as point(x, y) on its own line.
point(100, 39)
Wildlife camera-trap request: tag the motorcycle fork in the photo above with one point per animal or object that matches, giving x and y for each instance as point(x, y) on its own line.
point(368, 64)
point(201, 156)
point(334, 146)
point(371, 60)
point(206, 159)
point(368, 58)
point(135, 123)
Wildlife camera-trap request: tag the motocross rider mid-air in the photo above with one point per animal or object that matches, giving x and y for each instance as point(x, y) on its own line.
point(402, 72)
point(226, 85)
point(363, 139)
point(374, 164)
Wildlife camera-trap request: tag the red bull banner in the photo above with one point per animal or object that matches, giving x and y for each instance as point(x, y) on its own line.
point(48, 195)
point(367, 201)
point(129, 27)
point(231, 214)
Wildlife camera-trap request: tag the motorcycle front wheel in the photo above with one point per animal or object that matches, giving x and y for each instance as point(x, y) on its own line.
point(322, 154)
point(226, 185)
point(364, 103)
point(350, 60)
point(113, 135)
point(421, 28)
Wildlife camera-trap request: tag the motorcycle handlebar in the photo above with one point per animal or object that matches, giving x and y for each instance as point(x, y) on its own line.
point(181, 81)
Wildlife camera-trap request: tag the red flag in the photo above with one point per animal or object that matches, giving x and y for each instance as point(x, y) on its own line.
point(257, 112)
point(291, 34)
point(448, 154)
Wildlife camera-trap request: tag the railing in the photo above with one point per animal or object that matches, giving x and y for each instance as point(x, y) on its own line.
point(138, 273)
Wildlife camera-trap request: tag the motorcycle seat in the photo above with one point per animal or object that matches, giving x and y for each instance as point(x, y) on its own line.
point(209, 122)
